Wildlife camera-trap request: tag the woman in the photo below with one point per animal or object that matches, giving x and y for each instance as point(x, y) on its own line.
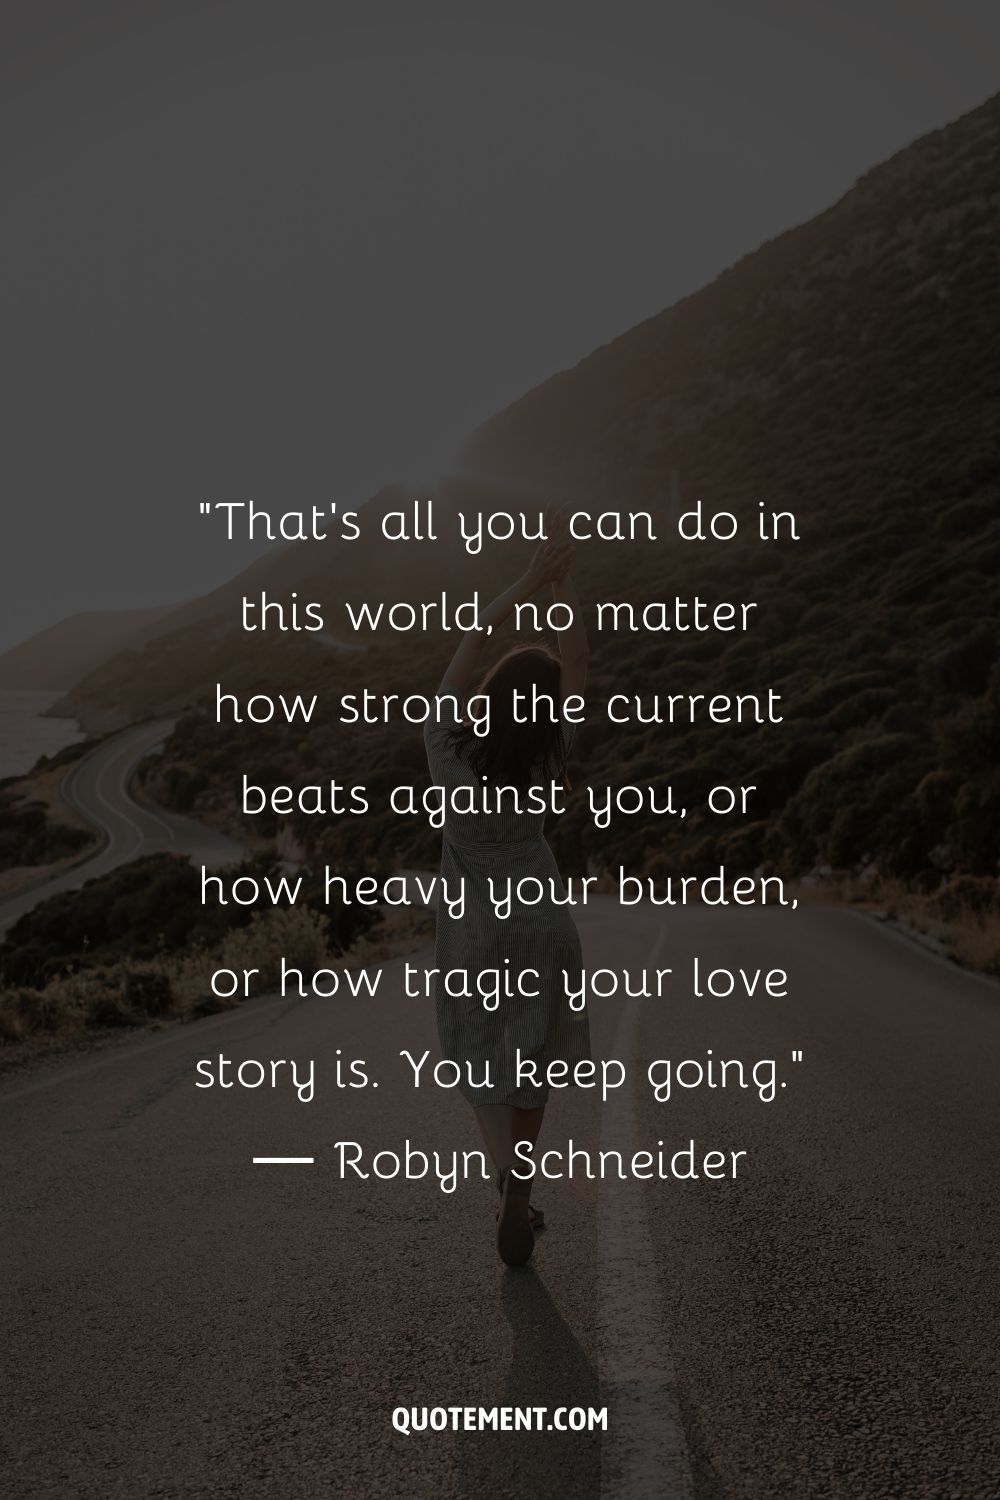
point(510, 844)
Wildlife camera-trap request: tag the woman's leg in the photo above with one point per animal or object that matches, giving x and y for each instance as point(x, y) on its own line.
point(502, 1127)
point(496, 1125)
point(527, 1123)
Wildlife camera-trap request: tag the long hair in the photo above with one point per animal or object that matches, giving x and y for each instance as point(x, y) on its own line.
point(514, 754)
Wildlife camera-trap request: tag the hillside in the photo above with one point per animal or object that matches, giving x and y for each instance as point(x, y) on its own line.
point(60, 656)
point(848, 370)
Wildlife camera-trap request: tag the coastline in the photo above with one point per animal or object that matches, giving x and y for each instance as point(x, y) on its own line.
point(29, 730)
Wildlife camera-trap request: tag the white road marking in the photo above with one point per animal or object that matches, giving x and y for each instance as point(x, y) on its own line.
point(121, 837)
point(124, 793)
point(283, 1161)
point(127, 753)
point(644, 1453)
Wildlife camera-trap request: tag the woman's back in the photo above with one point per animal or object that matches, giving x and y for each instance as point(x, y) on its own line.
point(501, 815)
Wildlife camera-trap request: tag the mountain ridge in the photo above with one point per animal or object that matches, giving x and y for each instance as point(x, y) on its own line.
point(502, 450)
point(64, 652)
point(848, 371)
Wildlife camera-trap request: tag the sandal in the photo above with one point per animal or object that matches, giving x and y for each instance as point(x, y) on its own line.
point(515, 1236)
point(536, 1216)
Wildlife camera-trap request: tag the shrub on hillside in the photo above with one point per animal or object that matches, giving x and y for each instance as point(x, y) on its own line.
point(29, 837)
point(977, 894)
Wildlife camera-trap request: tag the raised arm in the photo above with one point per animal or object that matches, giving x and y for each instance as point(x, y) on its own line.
point(574, 651)
point(466, 666)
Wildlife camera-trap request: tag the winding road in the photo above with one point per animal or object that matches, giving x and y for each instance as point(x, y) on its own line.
point(181, 1322)
point(98, 789)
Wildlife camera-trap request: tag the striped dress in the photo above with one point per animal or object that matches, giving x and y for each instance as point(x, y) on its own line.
point(542, 937)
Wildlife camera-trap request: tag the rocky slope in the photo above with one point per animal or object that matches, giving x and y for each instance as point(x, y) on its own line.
point(849, 371)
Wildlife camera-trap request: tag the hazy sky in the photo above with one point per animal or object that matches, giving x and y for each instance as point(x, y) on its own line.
point(289, 251)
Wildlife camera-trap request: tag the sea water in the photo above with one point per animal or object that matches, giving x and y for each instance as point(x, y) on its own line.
point(25, 735)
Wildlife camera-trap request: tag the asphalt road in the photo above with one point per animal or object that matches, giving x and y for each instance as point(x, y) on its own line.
point(98, 788)
point(180, 1322)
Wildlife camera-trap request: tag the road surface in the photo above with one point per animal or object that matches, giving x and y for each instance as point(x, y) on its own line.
point(97, 788)
point(180, 1322)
